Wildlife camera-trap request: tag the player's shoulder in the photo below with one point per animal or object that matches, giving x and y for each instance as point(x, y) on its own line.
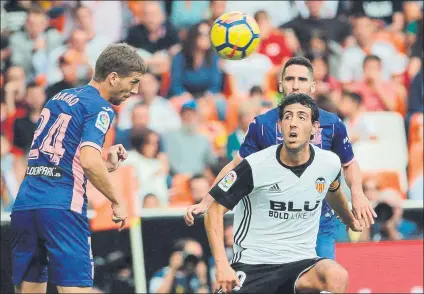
point(262, 156)
point(90, 97)
point(326, 156)
point(269, 116)
point(326, 117)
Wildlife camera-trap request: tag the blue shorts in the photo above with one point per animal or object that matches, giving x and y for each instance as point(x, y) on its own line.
point(51, 244)
point(326, 240)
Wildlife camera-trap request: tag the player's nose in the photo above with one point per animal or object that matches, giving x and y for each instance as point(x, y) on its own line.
point(134, 90)
point(293, 123)
point(295, 86)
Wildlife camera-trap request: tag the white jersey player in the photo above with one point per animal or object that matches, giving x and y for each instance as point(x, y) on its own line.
point(278, 193)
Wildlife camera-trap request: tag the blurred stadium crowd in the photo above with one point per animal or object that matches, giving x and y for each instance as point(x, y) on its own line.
point(193, 109)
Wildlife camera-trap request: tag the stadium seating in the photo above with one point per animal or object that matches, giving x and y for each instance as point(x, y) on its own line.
point(415, 133)
point(386, 179)
point(180, 191)
point(390, 131)
point(374, 157)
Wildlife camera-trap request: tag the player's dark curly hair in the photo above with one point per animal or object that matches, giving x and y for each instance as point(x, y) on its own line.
point(302, 99)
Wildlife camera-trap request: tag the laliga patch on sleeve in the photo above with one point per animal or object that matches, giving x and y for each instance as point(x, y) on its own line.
point(103, 121)
point(226, 183)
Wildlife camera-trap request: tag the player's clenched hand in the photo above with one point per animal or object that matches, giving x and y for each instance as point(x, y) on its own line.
point(116, 154)
point(192, 210)
point(119, 215)
point(226, 278)
point(362, 208)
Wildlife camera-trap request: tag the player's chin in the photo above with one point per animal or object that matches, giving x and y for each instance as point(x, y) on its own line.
point(118, 101)
point(293, 145)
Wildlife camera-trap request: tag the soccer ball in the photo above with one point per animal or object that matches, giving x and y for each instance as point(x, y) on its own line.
point(235, 35)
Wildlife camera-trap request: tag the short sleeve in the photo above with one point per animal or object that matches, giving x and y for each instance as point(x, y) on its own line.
point(234, 186)
point(96, 124)
point(341, 144)
point(250, 144)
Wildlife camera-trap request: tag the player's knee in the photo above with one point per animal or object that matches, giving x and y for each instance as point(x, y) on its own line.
point(336, 279)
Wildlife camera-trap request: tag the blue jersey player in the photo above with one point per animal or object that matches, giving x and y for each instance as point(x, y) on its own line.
point(51, 236)
point(297, 77)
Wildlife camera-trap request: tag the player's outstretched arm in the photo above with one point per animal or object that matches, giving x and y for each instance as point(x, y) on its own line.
point(226, 278)
point(362, 208)
point(338, 201)
point(96, 171)
point(201, 208)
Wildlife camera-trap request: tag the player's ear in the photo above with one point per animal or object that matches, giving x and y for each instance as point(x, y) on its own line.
point(280, 126)
point(280, 86)
point(113, 79)
point(315, 127)
point(313, 87)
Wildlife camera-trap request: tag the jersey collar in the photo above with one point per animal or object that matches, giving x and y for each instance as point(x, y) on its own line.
point(299, 169)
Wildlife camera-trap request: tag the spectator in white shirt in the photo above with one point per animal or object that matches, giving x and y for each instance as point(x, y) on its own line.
point(95, 42)
point(241, 76)
point(36, 41)
point(148, 168)
point(359, 128)
point(107, 17)
point(76, 52)
point(163, 117)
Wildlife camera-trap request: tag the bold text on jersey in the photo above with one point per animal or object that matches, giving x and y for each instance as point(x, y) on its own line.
point(288, 210)
point(68, 98)
point(45, 171)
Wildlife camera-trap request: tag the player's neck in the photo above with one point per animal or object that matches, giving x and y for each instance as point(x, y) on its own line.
point(103, 92)
point(295, 157)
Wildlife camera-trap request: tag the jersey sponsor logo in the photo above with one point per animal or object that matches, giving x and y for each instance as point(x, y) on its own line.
point(275, 188)
point(45, 171)
point(290, 210)
point(226, 183)
point(317, 139)
point(320, 184)
point(103, 121)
